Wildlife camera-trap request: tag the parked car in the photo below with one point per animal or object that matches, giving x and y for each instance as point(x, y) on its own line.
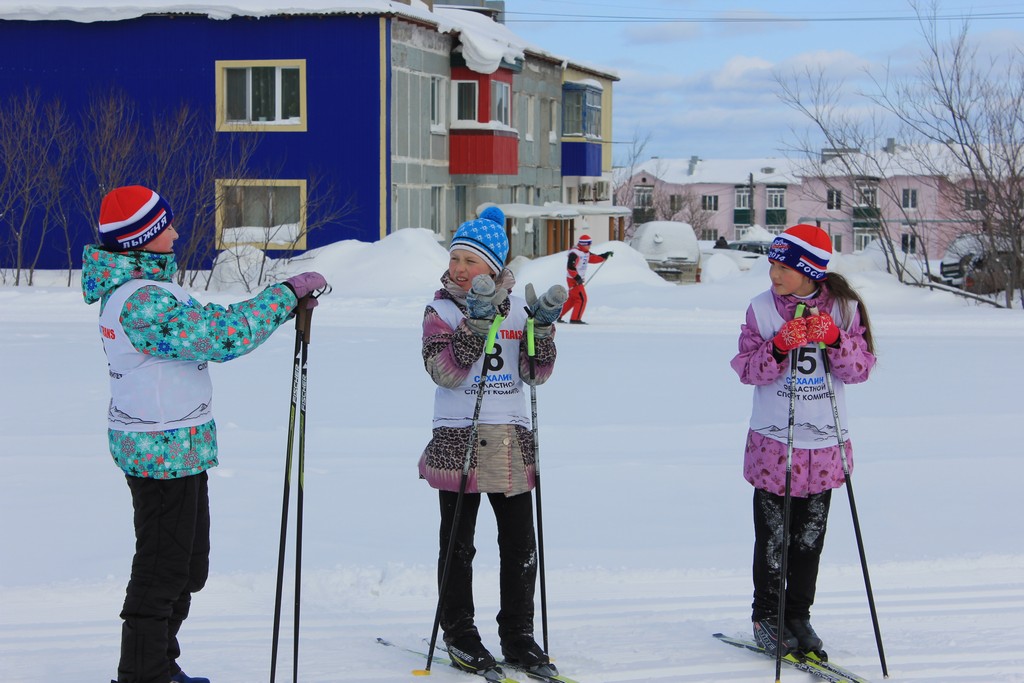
point(972, 264)
point(753, 246)
point(671, 249)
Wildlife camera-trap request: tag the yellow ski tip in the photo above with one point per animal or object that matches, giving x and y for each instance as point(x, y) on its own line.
point(420, 672)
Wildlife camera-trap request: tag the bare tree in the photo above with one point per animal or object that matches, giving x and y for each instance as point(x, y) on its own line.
point(969, 107)
point(110, 124)
point(283, 231)
point(958, 121)
point(185, 157)
point(622, 188)
point(178, 154)
point(686, 207)
point(852, 162)
point(34, 138)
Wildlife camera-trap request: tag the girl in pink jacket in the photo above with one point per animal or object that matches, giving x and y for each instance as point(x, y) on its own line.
point(834, 315)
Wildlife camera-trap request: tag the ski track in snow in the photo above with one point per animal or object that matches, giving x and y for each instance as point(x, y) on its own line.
point(648, 537)
point(601, 638)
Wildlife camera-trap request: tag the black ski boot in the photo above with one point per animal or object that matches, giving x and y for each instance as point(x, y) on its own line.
point(523, 652)
point(468, 653)
point(808, 640)
point(766, 634)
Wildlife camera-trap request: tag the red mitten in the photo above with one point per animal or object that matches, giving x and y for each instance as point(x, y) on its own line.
point(793, 335)
point(821, 328)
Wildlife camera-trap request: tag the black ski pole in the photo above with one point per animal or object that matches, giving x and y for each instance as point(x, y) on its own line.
point(467, 461)
point(296, 369)
point(786, 505)
point(594, 274)
point(853, 505)
point(303, 320)
point(531, 353)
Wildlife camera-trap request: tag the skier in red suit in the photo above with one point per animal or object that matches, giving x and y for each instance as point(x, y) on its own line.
point(575, 277)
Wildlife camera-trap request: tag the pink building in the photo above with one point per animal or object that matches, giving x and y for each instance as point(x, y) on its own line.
point(726, 197)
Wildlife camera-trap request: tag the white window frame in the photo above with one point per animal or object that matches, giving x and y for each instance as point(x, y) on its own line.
point(908, 239)
point(278, 124)
point(279, 236)
point(437, 209)
point(743, 197)
point(501, 105)
point(775, 197)
point(975, 200)
point(867, 196)
point(834, 200)
point(643, 196)
point(460, 86)
point(709, 202)
point(862, 237)
point(553, 130)
point(530, 116)
point(437, 104)
point(909, 198)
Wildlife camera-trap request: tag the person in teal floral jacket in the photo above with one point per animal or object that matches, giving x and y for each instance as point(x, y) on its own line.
point(159, 342)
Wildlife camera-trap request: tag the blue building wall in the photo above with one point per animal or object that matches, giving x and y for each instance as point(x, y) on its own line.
point(162, 61)
point(581, 158)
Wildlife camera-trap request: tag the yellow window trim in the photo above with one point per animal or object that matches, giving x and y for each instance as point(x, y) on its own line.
point(221, 186)
point(225, 126)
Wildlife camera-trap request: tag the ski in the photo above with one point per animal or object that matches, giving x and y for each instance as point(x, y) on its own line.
point(809, 663)
point(544, 673)
point(494, 675)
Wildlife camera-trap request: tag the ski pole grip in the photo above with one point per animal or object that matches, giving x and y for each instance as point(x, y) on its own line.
point(492, 333)
point(303, 320)
point(531, 347)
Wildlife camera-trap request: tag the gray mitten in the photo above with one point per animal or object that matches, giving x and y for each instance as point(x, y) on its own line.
point(482, 302)
point(548, 307)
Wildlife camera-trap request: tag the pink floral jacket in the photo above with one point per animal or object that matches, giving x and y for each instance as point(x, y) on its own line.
point(814, 470)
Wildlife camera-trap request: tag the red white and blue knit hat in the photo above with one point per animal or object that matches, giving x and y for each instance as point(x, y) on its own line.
point(804, 248)
point(584, 241)
point(485, 237)
point(131, 216)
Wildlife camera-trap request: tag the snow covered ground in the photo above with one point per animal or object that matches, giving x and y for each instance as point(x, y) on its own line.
point(647, 517)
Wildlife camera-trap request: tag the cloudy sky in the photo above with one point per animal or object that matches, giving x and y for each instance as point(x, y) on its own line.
point(698, 76)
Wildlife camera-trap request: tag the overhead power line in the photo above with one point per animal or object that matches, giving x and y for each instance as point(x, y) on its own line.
point(545, 17)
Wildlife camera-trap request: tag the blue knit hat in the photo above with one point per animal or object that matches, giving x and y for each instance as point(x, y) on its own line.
point(804, 248)
point(484, 236)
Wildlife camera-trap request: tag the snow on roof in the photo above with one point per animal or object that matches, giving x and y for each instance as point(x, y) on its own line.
point(591, 209)
point(485, 42)
point(87, 11)
point(766, 170)
point(531, 211)
point(593, 83)
point(557, 210)
point(927, 160)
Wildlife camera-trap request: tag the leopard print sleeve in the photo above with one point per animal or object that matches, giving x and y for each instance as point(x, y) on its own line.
point(448, 354)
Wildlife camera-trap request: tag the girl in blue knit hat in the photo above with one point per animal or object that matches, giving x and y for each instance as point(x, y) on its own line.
point(475, 288)
point(835, 317)
point(159, 342)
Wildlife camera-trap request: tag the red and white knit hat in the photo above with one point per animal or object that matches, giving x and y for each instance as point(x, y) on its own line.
point(804, 248)
point(131, 216)
point(584, 241)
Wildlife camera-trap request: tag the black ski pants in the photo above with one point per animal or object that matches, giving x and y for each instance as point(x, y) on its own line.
point(172, 561)
point(807, 523)
point(517, 551)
